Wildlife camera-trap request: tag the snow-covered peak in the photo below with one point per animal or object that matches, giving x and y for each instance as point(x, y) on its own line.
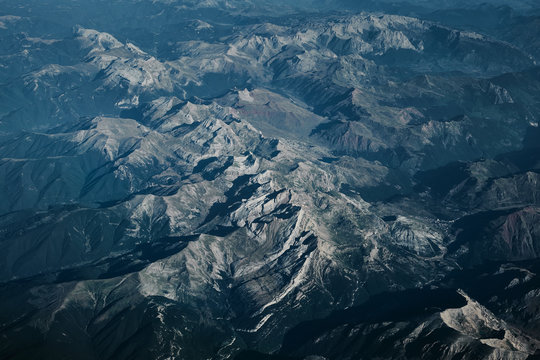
point(97, 41)
point(125, 65)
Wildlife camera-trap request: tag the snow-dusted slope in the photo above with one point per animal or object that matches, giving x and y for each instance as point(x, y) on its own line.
point(193, 179)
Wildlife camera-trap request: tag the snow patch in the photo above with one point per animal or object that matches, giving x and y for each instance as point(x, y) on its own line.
point(245, 96)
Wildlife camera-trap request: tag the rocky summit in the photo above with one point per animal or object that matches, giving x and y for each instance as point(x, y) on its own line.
point(265, 179)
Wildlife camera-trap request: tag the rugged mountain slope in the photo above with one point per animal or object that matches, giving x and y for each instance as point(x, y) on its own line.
point(190, 181)
point(428, 323)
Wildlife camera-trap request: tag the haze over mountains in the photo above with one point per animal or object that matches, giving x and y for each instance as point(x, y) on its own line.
point(269, 180)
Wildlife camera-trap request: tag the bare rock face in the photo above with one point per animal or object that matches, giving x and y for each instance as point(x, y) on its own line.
point(261, 179)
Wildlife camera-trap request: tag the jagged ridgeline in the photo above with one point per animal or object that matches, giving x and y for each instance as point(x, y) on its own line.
point(269, 179)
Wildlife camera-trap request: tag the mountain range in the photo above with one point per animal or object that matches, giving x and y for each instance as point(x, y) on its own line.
point(269, 180)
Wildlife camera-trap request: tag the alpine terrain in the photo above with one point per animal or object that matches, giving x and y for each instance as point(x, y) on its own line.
point(269, 179)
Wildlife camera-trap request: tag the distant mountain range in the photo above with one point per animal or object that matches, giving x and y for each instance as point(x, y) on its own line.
point(269, 180)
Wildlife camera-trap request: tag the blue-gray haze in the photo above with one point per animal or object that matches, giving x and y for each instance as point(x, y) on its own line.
point(269, 179)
